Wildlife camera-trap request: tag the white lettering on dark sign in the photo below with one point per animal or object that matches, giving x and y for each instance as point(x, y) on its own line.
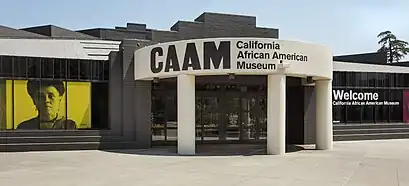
point(353, 98)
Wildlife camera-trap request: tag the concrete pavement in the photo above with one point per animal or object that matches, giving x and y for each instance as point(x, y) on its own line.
point(383, 163)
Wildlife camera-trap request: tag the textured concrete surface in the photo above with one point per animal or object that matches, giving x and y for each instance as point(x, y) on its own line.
point(349, 164)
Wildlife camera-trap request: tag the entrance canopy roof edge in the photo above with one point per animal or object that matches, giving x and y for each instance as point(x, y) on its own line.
point(240, 55)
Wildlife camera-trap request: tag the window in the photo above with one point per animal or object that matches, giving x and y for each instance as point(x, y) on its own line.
point(396, 80)
point(400, 80)
point(396, 111)
point(368, 114)
point(34, 67)
point(73, 69)
point(100, 70)
point(351, 79)
point(371, 76)
point(382, 111)
point(20, 67)
point(96, 66)
point(85, 69)
point(106, 70)
point(380, 80)
point(6, 66)
point(47, 67)
point(60, 68)
point(363, 79)
point(391, 79)
point(338, 113)
point(339, 79)
point(368, 111)
point(353, 113)
point(405, 80)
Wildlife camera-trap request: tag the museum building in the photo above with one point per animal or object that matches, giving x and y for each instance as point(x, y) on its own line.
point(217, 79)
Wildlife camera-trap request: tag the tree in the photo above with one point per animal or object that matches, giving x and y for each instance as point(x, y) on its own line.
point(394, 48)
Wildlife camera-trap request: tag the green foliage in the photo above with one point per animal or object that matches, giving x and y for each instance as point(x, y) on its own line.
point(394, 48)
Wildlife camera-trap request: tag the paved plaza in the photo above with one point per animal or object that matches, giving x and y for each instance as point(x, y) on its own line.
point(383, 163)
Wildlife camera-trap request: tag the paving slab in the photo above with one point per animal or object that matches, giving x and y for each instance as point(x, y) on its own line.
point(358, 163)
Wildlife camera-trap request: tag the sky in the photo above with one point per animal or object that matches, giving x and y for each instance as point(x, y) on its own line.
point(346, 26)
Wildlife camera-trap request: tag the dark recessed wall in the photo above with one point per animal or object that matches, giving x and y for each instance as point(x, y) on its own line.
point(367, 58)
point(211, 25)
point(205, 26)
point(57, 32)
point(7, 32)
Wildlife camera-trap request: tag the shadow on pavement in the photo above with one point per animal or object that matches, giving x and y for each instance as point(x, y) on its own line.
point(209, 150)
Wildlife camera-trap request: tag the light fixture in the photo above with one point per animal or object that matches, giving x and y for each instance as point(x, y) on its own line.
point(155, 80)
point(283, 65)
point(309, 79)
point(231, 76)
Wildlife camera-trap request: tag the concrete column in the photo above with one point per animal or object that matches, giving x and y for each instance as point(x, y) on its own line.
point(115, 93)
point(186, 114)
point(142, 114)
point(323, 129)
point(276, 91)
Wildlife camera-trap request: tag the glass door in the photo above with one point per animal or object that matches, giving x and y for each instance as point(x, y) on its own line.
point(258, 114)
point(232, 116)
point(207, 116)
point(253, 116)
point(247, 119)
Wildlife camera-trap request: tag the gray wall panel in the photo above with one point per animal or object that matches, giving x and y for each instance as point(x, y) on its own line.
point(309, 115)
point(215, 25)
point(128, 86)
point(143, 113)
point(164, 36)
point(189, 30)
point(119, 35)
point(206, 25)
point(115, 92)
point(136, 98)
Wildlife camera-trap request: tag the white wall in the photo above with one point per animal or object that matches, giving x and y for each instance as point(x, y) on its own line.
point(358, 67)
point(56, 48)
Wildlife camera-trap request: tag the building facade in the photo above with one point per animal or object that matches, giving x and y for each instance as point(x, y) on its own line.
point(110, 88)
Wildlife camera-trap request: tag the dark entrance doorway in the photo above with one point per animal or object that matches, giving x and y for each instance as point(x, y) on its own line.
point(227, 111)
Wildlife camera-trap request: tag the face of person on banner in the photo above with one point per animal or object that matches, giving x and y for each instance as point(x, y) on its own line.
point(47, 97)
point(48, 103)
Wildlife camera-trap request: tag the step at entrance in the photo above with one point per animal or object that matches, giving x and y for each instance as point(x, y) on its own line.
point(353, 132)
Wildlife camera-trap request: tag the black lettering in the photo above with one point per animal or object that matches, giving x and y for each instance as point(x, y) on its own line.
point(239, 44)
point(172, 61)
point(240, 55)
point(241, 65)
point(211, 53)
point(191, 57)
point(291, 57)
point(250, 65)
point(159, 51)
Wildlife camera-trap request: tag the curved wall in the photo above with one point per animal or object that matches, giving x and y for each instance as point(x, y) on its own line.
point(241, 55)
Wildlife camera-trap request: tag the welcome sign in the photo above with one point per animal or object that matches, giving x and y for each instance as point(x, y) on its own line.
point(231, 55)
point(353, 97)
